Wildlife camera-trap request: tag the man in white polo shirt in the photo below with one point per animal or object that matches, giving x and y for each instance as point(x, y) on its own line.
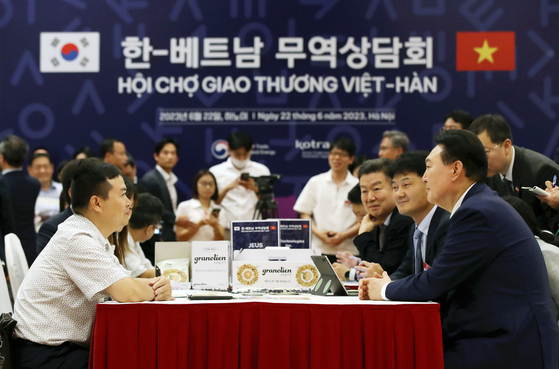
point(55, 305)
point(238, 195)
point(324, 200)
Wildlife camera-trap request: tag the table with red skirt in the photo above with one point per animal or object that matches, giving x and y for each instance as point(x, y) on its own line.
point(316, 332)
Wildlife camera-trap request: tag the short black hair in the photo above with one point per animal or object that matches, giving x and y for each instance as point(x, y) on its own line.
point(354, 195)
point(409, 162)
point(40, 148)
point(161, 144)
point(89, 153)
point(197, 177)
point(527, 214)
point(130, 162)
point(460, 116)
point(37, 156)
point(344, 144)
point(66, 177)
point(237, 140)
point(464, 146)
point(91, 178)
point(148, 211)
point(14, 149)
point(108, 145)
point(375, 166)
point(496, 126)
point(357, 162)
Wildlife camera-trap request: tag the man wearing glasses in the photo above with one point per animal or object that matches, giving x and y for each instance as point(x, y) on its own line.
point(324, 200)
point(511, 167)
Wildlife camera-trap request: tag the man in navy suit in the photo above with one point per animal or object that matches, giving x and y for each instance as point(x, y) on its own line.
point(496, 306)
point(24, 190)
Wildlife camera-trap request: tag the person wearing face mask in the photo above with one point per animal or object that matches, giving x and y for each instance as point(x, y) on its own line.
point(237, 194)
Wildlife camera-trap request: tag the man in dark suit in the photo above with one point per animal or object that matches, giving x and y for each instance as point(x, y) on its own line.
point(160, 182)
point(23, 190)
point(511, 167)
point(383, 232)
point(496, 305)
point(427, 238)
point(50, 226)
point(6, 216)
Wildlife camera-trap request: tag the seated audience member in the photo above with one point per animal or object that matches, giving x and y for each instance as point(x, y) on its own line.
point(490, 279)
point(24, 190)
point(427, 238)
point(113, 151)
point(130, 168)
point(548, 244)
point(84, 152)
point(511, 167)
point(457, 119)
point(144, 221)
point(48, 228)
point(200, 211)
point(55, 305)
point(383, 234)
point(346, 260)
point(324, 200)
point(48, 201)
point(237, 195)
point(393, 144)
point(357, 162)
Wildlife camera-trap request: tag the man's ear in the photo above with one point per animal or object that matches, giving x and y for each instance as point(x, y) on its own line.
point(457, 169)
point(96, 204)
point(507, 145)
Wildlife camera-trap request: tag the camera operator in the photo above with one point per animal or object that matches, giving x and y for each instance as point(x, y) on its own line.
point(238, 193)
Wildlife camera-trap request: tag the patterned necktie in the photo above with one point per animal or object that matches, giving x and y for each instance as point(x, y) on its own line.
point(508, 187)
point(417, 240)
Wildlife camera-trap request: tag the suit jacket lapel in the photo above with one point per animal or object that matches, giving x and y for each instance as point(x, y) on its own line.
point(164, 191)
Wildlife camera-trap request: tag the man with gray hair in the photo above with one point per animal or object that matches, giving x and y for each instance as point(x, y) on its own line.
point(23, 189)
point(393, 144)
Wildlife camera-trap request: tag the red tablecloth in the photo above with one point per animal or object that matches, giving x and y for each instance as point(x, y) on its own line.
point(256, 334)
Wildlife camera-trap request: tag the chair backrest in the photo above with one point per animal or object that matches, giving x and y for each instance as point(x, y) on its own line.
point(5, 301)
point(16, 262)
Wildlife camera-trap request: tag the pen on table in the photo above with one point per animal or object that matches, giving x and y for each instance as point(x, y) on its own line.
point(554, 180)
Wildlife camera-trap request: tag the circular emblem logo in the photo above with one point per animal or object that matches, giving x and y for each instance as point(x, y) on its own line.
point(307, 275)
point(220, 149)
point(247, 274)
point(69, 52)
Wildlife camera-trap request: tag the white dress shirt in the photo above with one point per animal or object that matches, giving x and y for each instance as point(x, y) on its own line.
point(239, 201)
point(135, 260)
point(170, 180)
point(330, 209)
point(57, 299)
point(195, 212)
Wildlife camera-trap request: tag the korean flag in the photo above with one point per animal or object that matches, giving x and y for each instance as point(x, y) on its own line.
point(70, 52)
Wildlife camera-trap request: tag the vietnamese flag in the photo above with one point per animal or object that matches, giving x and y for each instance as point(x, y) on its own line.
point(485, 51)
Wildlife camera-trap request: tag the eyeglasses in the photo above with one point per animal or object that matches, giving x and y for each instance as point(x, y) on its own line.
point(341, 154)
point(207, 184)
point(487, 152)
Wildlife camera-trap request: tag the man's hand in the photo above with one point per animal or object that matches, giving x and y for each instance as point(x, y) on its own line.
point(364, 289)
point(374, 286)
point(162, 288)
point(368, 223)
point(347, 259)
point(334, 239)
point(553, 198)
point(340, 270)
point(368, 270)
point(322, 235)
point(183, 221)
point(249, 184)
